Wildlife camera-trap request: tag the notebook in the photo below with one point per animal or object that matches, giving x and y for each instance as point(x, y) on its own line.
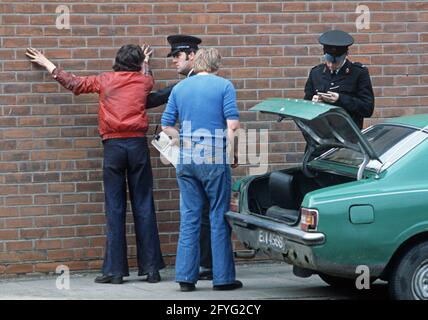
point(169, 153)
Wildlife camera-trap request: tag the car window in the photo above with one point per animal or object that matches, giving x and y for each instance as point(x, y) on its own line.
point(330, 128)
point(381, 138)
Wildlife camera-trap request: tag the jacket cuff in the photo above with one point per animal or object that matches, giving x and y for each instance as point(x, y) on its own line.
point(55, 73)
point(146, 69)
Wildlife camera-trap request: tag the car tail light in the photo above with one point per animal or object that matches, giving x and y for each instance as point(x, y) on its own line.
point(234, 202)
point(308, 219)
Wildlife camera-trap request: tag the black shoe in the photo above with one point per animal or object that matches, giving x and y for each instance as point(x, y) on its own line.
point(206, 275)
point(109, 279)
point(231, 286)
point(153, 277)
point(187, 287)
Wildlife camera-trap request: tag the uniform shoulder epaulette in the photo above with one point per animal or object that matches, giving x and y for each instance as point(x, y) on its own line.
point(359, 65)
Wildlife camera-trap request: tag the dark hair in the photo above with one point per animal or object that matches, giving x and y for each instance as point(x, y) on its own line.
point(186, 51)
point(129, 58)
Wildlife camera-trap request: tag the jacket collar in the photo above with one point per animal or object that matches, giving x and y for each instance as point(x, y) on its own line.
point(344, 71)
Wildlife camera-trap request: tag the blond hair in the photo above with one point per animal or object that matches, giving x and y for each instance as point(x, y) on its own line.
point(207, 60)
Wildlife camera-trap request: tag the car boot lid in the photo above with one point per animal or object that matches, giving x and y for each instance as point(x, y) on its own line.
point(323, 126)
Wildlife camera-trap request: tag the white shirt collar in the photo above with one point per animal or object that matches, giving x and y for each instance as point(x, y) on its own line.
point(190, 72)
point(338, 69)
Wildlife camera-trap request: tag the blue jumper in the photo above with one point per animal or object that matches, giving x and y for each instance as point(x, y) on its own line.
point(202, 104)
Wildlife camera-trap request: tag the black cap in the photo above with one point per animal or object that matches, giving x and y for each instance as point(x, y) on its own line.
point(180, 42)
point(336, 42)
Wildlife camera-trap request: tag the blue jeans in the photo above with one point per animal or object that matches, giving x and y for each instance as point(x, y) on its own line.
point(128, 160)
point(197, 181)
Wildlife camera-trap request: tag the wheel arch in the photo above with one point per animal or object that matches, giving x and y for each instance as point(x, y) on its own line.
point(402, 249)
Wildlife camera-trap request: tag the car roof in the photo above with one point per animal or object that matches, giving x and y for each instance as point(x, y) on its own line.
point(418, 121)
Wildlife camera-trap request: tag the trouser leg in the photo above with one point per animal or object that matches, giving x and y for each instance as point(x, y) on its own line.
point(205, 238)
point(114, 176)
point(140, 181)
point(217, 185)
point(191, 203)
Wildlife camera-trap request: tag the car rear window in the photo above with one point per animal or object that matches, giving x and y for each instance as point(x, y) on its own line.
point(381, 138)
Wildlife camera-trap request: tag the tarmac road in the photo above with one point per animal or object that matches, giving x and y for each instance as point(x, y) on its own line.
point(265, 281)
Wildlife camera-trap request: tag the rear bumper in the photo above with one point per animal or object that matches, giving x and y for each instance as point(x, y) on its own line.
point(290, 233)
point(277, 240)
point(308, 250)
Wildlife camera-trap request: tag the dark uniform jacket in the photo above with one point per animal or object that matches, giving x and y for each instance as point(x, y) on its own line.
point(155, 99)
point(353, 85)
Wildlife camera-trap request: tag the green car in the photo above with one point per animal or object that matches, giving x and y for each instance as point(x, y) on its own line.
point(359, 201)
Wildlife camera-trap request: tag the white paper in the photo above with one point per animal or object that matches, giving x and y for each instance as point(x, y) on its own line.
point(170, 152)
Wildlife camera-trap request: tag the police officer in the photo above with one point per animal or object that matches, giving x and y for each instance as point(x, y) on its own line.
point(339, 81)
point(183, 50)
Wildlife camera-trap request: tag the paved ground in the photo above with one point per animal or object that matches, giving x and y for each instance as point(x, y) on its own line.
point(261, 281)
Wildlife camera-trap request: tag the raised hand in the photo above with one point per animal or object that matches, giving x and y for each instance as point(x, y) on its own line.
point(39, 58)
point(147, 52)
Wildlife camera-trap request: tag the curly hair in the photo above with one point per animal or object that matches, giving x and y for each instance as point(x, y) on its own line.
point(129, 58)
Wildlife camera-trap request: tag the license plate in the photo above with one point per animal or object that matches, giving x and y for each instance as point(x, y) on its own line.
point(272, 240)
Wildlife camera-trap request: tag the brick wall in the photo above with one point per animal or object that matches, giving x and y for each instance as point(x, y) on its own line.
point(51, 195)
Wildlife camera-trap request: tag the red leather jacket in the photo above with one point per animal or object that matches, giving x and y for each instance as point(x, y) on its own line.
point(122, 99)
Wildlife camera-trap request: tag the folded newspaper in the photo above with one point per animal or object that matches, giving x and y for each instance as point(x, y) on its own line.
point(163, 143)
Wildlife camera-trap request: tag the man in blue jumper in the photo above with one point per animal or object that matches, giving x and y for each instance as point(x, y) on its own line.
point(183, 51)
point(206, 108)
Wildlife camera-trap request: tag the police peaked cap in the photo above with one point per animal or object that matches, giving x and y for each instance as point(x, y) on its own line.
point(181, 42)
point(336, 42)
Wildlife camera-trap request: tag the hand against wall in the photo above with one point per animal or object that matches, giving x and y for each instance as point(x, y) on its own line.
point(39, 58)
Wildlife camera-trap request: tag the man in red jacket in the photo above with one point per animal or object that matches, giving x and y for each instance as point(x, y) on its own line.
point(122, 124)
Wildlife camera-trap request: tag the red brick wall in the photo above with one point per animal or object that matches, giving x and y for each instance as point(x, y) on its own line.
point(51, 195)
